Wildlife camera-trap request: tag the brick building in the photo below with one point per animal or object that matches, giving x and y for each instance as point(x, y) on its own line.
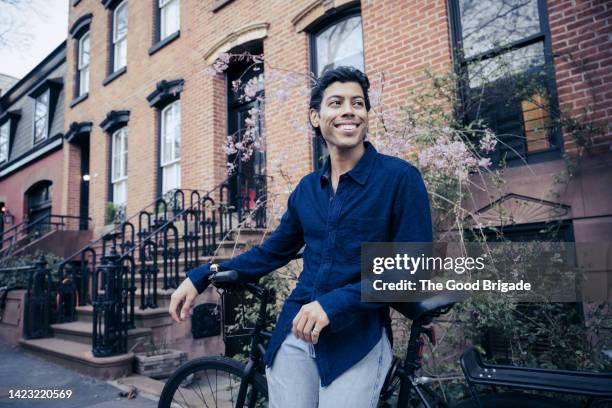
point(142, 115)
point(121, 53)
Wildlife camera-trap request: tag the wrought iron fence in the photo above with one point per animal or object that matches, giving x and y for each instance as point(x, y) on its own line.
point(39, 301)
point(146, 249)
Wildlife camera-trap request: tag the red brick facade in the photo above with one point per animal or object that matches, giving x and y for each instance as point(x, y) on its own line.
point(400, 40)
point(582, 50)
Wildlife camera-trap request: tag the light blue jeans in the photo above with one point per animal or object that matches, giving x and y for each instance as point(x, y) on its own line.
point(293, 379)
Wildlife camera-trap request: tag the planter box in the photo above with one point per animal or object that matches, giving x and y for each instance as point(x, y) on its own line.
point(159, 364)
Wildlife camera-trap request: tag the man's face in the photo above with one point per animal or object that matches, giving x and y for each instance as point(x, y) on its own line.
point(343, 117)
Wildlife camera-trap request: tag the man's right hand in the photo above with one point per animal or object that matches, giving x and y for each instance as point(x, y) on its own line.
point(181, 300)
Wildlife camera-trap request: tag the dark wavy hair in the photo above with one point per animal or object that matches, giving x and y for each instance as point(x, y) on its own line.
point(340, 74)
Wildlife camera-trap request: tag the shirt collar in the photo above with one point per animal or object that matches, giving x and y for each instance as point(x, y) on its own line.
point(359, 173)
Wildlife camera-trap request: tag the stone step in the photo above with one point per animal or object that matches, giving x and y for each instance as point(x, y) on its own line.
point(78, 356)
point(147, 387)
point(81, 331)
point(144, 319)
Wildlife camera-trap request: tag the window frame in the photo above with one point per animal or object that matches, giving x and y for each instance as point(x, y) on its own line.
point(174, 161)
point(461, 70)
point(313, 31)
point(46, 93)
point(7, 142)
point(161, 4)
point(114, 40)
point(83, 68)
point(122, 133)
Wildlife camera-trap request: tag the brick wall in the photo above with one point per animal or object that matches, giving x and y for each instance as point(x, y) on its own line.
point(581, 41)
point(400, 41)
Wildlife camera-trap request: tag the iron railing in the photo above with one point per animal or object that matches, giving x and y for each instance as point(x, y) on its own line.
point(26, 232)
point(39, 301)
point(146, 249)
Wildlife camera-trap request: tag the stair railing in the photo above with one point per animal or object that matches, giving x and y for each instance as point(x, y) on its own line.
point(113, 286)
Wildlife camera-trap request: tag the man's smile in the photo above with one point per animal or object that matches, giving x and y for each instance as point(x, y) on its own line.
point(347, 127)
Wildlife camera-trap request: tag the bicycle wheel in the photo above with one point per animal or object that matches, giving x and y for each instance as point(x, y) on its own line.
point(211, 382)
point(514, 400)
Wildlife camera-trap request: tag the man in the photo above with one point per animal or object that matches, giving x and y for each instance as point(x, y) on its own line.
point(329, 349)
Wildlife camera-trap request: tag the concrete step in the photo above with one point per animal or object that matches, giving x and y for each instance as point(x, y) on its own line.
point(78, 356)
point(147, 387)
point(81, 331)
point(144, 319)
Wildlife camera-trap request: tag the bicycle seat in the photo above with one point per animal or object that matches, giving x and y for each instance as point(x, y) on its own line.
point(435, 305)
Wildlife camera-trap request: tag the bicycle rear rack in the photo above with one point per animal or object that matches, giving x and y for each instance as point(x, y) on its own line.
point(570, 382)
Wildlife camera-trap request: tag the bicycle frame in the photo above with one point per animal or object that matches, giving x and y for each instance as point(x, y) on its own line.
point(597, 387)
point(406, 372)
point(256, 350)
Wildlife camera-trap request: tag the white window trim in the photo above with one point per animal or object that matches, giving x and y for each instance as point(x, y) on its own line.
point(117, 40)
point(163, 4)
point(81, 67)
point(174, 161)
point(6, 125)
point(163, 136)
point(123, 173)
point(46, 128)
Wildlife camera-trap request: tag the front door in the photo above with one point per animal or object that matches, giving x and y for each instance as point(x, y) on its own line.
point(84, 194)
point(38, 201)
point(247, 183)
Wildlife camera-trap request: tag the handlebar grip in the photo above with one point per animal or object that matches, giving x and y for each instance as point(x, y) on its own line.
point(224, 277)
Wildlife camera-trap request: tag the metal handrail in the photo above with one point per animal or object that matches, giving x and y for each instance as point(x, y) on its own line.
point(204, 197)
point(26, 227)
point(116, 230)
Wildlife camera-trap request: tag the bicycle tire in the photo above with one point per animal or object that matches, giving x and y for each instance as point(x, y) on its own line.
point(188, 395)
point(514, 400)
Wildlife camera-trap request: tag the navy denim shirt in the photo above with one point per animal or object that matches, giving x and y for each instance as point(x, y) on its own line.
point(381, 199)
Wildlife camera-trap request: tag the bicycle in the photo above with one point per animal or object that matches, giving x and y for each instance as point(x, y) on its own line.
point(249, 389)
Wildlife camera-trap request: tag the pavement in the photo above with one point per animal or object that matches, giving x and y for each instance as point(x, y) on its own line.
point(21, 371)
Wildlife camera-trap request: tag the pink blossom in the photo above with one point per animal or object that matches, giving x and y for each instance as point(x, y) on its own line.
point(484, 162)
point(488, 142)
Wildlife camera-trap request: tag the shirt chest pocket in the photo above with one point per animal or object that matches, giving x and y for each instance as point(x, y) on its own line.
point(356, 231)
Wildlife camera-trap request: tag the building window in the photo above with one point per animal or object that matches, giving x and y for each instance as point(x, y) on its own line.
point(504, 59)
point(171, 147)
point(120, 29)
point(333, 44)
point(119, 159)
point(41, 117)
point(169, 15)
point(4, 141)
point(83, 64)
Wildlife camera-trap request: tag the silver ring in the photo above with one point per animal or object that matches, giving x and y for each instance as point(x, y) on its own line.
point(316, 331)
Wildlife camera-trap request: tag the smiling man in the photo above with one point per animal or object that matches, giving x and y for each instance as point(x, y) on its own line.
point(329, 349)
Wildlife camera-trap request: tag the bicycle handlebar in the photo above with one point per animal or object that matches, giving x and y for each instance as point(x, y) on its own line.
point(230, 279)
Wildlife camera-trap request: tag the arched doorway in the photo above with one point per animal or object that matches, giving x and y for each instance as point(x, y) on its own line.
point(248, 182)
point(38, 201)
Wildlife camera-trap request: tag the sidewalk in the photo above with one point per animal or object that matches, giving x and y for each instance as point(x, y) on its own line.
point(22, 371)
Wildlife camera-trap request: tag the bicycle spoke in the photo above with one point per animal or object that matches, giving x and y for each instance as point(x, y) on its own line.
point(202, 394)
point(210, 386)
point(182, 396)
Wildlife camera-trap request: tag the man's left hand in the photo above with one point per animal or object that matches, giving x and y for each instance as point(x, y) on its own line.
point(309, 322)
